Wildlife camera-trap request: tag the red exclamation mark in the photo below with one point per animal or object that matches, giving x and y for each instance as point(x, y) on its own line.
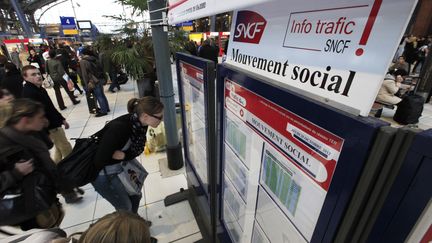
point(368, 28)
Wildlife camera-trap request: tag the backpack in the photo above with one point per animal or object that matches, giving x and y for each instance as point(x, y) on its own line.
point(97, 70)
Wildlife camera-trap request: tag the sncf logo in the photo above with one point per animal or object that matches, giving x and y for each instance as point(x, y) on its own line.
point(249, 27)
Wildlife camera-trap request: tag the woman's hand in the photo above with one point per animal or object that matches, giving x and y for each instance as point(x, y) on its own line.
point(24, 168)
point(399, 80)
point(118, 155)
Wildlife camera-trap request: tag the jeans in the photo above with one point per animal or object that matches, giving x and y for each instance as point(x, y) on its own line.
point(110, 187)
point(101, 98)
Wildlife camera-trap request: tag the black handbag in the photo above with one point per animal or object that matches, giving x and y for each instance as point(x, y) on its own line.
point(78, 168)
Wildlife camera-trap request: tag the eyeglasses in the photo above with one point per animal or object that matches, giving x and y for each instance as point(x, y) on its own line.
point(157, 117)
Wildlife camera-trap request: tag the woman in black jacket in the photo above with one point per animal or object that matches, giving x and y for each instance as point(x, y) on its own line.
point(23, 168)
point(123, 139)
point(36, 60)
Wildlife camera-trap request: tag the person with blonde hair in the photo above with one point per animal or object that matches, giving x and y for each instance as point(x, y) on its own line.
point(118, 227)
point(5, 107)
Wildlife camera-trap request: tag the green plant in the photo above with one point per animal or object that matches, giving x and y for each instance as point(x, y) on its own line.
point(135, 52)
point(138, 6)
point(136, 56)
point(177, 40)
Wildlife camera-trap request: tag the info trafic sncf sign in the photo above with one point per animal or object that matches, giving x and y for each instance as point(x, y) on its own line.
point(334, 51)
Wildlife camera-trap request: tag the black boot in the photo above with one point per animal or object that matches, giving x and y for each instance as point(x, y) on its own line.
point(71, 197)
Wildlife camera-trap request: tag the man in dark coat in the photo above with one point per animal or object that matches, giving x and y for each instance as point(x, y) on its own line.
point(33, 89)
point(209, 52)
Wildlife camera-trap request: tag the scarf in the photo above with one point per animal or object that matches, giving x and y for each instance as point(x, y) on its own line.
point(138, 137)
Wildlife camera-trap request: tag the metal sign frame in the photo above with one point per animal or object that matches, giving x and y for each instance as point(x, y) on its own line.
point(204, 194)
point(409, 194)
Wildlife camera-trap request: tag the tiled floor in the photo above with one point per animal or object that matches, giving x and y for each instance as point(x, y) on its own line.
point(425, 121)
point(175, 223)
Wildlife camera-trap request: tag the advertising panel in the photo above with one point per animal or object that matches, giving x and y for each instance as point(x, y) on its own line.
point(334, 51)
point(193, 95)
point(184, 10)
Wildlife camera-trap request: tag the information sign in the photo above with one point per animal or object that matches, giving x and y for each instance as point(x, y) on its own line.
point(70, 32)
point(197, 94)
point(298, 157)
point(67, 22)
point(193, 96)
point(281, 161)
point(334, 51)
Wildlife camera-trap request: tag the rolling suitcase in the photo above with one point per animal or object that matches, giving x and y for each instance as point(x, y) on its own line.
point(91, 102)
point(409, 109)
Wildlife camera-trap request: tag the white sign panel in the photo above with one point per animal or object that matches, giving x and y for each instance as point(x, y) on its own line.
point(291, 160)
point(183, 10)
point(334, 51)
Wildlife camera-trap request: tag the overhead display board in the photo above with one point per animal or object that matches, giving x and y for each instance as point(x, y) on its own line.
point(334, 51)
point(184, 10)
point(84, 24)
point(289, 163)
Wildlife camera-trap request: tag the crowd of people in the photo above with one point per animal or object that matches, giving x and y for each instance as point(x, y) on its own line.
point(207, 49)
point(30, 125)
point(409, 61)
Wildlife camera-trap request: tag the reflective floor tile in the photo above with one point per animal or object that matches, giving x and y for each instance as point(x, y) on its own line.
point(151, 161)
point(79, 212)
point(76, 229)
point(189, 239)
point(103, 207)
point(172, 222)
point(157, 189)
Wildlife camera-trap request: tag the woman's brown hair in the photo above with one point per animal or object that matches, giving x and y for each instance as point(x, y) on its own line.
point(121, 226)
point(147, 104)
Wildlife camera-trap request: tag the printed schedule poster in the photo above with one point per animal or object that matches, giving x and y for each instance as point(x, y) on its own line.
point(193, 89)
point(295, 160)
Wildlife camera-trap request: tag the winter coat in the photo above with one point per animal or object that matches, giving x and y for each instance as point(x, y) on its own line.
point(14, 83)
point(16, 59)
point(39, 94)
point(55, 70)
point(387, 92)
